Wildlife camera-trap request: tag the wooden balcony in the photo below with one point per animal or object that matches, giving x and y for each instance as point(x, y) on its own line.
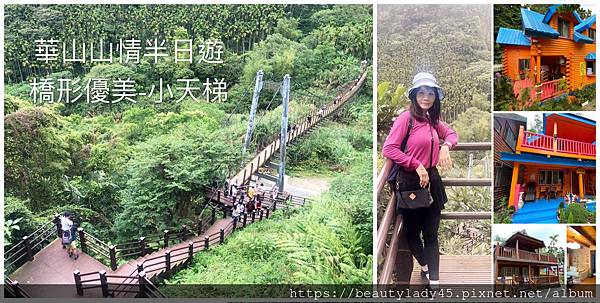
point(513, 253)
point(536, 280)
point(539, 92)
point(548, 145)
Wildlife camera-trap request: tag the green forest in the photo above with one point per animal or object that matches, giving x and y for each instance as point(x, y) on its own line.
point(132, 169)
point(451, 42)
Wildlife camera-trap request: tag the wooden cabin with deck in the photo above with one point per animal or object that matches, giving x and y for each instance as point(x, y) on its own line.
point(552, 53)
point(546, 166)
point(519, 264)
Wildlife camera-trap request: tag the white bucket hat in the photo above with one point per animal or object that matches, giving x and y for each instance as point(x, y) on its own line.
point(426, 79)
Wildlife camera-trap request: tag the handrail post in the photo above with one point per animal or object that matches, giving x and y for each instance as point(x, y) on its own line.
point(142, 246)
point(58, 226)
point(142, 285)
point(16, 289)
point(221, 236)
point(28, 249)
point(184, 232)
point(167, 261)
point(82, 241)
point(78, 286)
point(103, 283)
point(190, 251)
point(113, 257)
point(165, 238)
point(218, 196)
point(206, 243)
point(245, 218)
point(213, 216)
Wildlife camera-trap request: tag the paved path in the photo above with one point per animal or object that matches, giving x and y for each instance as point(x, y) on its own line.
point(50, 274)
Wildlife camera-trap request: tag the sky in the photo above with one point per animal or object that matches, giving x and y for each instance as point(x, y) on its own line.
point(539, 231)
point(531, 116)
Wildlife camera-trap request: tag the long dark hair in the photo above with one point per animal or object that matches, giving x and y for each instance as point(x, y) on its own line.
point(419, 114)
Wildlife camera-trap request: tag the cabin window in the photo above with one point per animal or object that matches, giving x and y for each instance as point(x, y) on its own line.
point(592, 34)
point(523, 65)
point(497, 125)
point(503, 175)
point(551, 177)
point(509, 136)
point(510, 271)
point(563, 27)
point(590, 68)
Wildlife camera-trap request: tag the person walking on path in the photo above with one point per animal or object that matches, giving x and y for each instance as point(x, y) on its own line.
point(72, 249)
point(65, 224)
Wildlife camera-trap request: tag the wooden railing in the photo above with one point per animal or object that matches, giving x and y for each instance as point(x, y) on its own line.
point(297, 130)
point(575, 147)
point(25, 250)
point(538, 141)
point(392, 226)
point(110, 254)
point(548, 145)
point(513, 253)
point(12, 289)
point(550, 89)
point(541, 280)
point(138, 282)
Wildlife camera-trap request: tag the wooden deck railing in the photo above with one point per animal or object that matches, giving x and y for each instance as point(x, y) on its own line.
point(537, 141)
point(548, 145)
point(12, 289)
point(513, 253)
point(550, 89)
point(575, 147)
point(138, 282)
point(387, 251)
point(25, 250)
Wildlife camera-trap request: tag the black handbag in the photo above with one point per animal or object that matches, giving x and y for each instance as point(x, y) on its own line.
point(412, 199)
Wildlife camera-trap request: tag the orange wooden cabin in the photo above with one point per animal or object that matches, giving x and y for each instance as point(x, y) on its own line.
point(553, 52)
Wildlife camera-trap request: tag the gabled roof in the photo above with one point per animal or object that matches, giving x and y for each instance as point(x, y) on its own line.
point(551, 10)
point(533, 25)
point(581, 38)
point(585, 24)
point(528, 242)
point(590, 57)
point(576, 14)
point(509, 36)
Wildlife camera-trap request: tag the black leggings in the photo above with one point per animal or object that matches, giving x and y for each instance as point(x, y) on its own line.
point(425, 220)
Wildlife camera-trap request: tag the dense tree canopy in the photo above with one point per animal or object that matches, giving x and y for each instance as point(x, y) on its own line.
point(127, 169)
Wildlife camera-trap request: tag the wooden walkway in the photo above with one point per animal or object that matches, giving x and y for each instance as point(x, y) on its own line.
point(50, 274)
point(458, 270)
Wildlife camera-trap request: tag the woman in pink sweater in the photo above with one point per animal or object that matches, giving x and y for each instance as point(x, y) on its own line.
point(427, 147)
